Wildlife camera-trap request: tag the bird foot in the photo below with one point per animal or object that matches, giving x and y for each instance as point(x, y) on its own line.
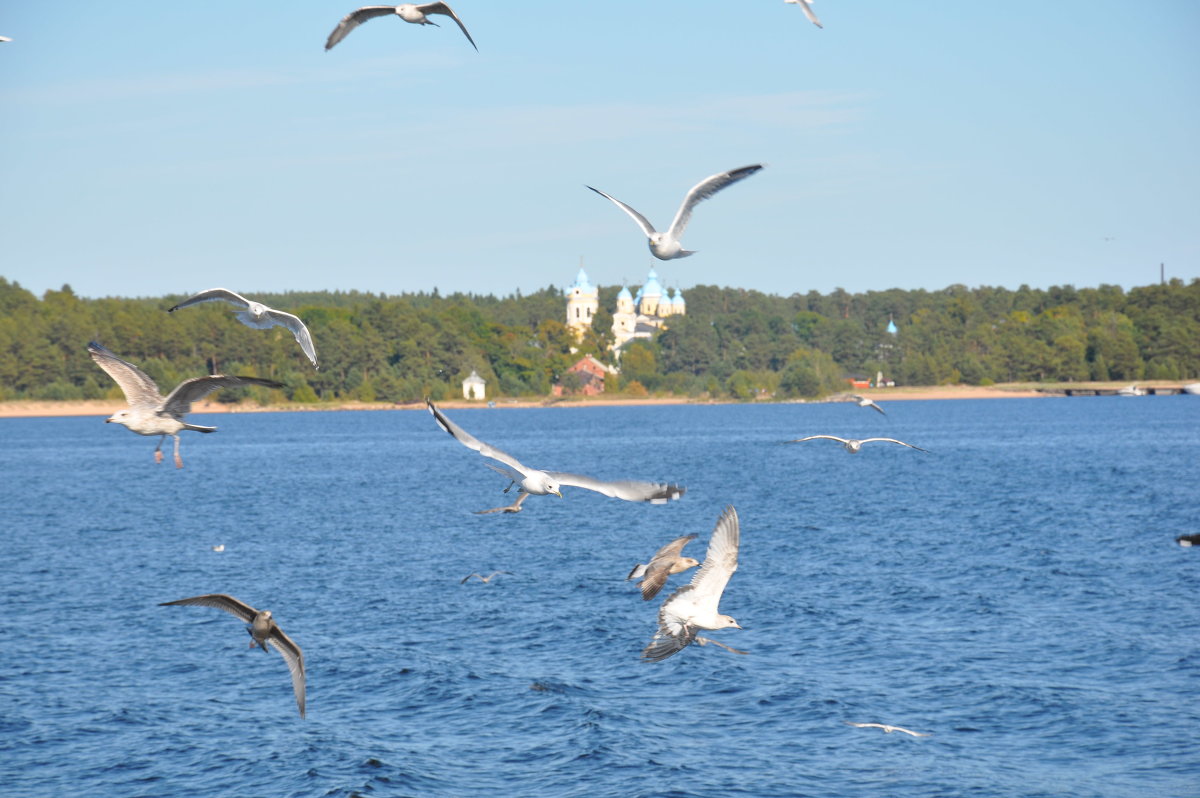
point(157, 456)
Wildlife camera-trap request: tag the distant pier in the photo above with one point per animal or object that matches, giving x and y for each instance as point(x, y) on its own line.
point(1143, 390)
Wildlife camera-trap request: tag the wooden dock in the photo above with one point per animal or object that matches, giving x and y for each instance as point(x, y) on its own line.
point(1147, 390)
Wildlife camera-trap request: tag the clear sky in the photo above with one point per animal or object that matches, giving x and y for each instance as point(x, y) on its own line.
point(151, 147)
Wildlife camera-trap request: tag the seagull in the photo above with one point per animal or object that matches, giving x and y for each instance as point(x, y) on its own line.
point(5, 39)
point(219, 547)
point(409, 12)
point(1187, 541)
point(852, 445)
point(666, 246)
point(694, 606)
point(257, 315)
point(149, 413)
point(865, 402)
point(263, 631)
point(806, 7)
point(515, 507)
point(484, 579)
point(887, 729)
point(542, 483)
point(666, 561)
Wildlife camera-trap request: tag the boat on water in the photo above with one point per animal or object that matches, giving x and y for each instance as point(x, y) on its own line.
point(1193, 388)
point(1131, 390)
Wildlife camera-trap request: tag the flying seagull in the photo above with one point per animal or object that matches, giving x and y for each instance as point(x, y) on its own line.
point(886, 728)
point(532, 480)
point(484, 579)
point(666, 246)
point(409, 12)
point(666, 561)
point(694, 606)
point(149, 413)
point(5, 39)
point(865, 402)
point(263, 631)
point(806, 7)
point(257, 315)
point(853, 445)
point(515, 507)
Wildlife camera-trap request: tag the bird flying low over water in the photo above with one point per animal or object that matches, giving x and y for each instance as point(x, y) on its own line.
point(806, 7)
point(263, 632)
point(409, 12)
point(865, 402)
point(666, 246)
point(531, 480)
point(257, 315)
point(694, 606)
point(484, 579)
point(666, 561)
point(515, 507)
point(886, 728)
point(853, 445)
point(149, 412)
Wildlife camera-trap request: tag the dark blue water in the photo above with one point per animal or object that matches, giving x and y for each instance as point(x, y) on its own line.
point(1017, 593)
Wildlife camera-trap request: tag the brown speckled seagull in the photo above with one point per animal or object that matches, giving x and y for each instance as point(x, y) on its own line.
point(666, 561)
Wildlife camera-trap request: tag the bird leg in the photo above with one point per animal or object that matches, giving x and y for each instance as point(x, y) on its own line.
point(178, 460)
point(704, 641)
point(158, 449)
point(510, 484)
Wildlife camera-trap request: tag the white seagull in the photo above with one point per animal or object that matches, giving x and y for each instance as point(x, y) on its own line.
point(853, 445)
point(484, 579)
point(149, 412)
point(263, 632)
point(666, 561)
point(694, 606)
point(666, 246)
point(5, 39)
point(256, 315)
point(865, 402)
point(806, 7)
point(409, 12)
point(888, 729)
point(531, 480)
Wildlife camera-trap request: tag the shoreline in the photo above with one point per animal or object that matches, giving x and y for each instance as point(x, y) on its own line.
point(106, 407)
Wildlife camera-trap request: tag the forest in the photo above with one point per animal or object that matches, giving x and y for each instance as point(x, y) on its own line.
point(733, 343)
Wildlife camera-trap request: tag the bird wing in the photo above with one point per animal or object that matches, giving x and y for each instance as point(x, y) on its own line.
point(720, 561)
point(294, 658)
point(213, 295)
point(672, 549)
point(471, 442)
point(655, 574)
point(642, 221)
point(298, 329)
point(673, 635)
point(627, 489)
point(808, 12)
point(876, 407)
point(893, 440)
point(442, 8)
point(180, 401)
point(356, 18)
point(221, 601)
point(702, 191)
point(815, 437)
point(139, 389)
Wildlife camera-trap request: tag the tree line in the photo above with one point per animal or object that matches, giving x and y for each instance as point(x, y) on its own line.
point(732, 342)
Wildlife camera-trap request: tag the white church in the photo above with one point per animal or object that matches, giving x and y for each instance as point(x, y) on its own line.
point(635, 316)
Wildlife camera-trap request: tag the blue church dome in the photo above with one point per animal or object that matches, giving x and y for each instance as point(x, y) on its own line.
point(892, 327)
point(652, 286)
point(624, 294)
point(581, 280)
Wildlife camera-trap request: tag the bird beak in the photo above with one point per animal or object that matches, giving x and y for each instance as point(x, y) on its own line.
point(558, 494)
point(108, 421)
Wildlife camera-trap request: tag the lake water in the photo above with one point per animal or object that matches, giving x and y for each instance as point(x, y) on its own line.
point(1017, 593)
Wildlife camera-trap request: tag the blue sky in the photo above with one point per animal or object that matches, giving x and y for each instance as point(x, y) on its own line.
point(156, 147)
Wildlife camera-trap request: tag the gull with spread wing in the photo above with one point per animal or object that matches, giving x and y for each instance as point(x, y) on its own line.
point(409, 12)
point(853, 445)
point(888, 729)
point(256, 315)
point(694, 606)
point(484, 579)
point(865, 402)
point(666, 246)
point(666, 561)
point(531, 480)
point(149, 412)
point(806, 7)
point(263, 631)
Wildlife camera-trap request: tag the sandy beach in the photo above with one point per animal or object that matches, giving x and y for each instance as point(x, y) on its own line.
point(105, 407)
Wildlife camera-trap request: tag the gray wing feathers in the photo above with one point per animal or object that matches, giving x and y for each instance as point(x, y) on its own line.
point(220, 601)
point(137, 386)
point(702, 191)
point(471, 442)
point(664, 644)
point(629, 490)
point(721, 559)
point(642, 221)
point(214, 295)
point(294, 658)
point(354, 19)
point(293, 323)
point(188, 391)
point(893, 440)
point(442, 8)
